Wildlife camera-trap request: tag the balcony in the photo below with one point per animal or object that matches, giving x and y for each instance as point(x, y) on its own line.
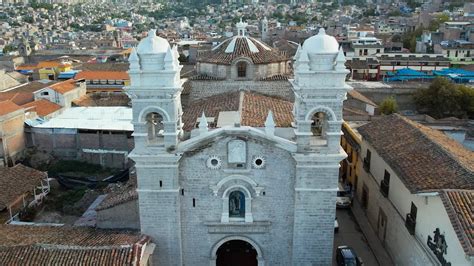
point(366, 165)
point(410, 224)
point(384, 188)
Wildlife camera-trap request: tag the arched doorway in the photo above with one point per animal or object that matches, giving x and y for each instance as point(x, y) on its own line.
point(236, 253)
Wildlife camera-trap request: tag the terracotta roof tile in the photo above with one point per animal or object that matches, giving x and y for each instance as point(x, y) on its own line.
point(43, 107)
point(17, 181)
point(459, 206)
point(211, 106)
point(241, 49)
point(255, 108)
point(65, 86)
point(425, 159)
point(98, 75)
point(7, 107)
point(53, 245)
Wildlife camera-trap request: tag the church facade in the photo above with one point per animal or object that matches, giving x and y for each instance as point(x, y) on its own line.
point(255, 195)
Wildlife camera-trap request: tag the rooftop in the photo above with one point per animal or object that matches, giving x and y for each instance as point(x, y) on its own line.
point(458, 205)
point(93, 118)
point(7, 107)
point(59, 245)
point(102, 75)
point(253, 108)
point(17, 181)
point(424, 159)
point(42, 107)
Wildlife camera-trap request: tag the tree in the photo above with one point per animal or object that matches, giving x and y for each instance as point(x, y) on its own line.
point(444, 99)
point(8, 48)
point(388, 106)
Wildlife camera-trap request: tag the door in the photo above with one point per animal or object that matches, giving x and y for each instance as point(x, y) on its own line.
point(382, 226)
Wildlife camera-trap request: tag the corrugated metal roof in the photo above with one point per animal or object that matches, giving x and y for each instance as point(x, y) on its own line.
point(94, 118)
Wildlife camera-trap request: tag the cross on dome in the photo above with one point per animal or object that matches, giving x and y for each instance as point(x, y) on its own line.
point(241, 27)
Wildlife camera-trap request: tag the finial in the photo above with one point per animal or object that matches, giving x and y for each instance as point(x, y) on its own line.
point(303, 61)
point(169, 59)
point(322, 31)
point(270, 124)
point(340, 60)
point(134, 60)
point(203, 123)
point(298, 52)
point(151, 33)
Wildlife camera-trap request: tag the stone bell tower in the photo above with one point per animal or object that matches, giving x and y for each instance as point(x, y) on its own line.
point(320, 89)
point(155, 91)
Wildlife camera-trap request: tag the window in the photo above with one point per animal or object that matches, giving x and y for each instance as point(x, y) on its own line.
point(44, 93)
point(154, 124)
point(410, 221)
point(386, 178)
point(385, 184)
point(241, 69)
point(318, 124)
point(367, 161)
point(236, 204)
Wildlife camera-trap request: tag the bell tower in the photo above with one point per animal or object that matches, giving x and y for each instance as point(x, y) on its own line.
point(155, 92)
point(320, 89)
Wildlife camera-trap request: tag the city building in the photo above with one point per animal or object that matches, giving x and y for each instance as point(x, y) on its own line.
point(416, 186)
point(12, 141)
point(216, 189)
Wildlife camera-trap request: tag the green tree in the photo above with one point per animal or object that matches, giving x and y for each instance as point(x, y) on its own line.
point(8, 48)
point(388, 106)
point(444, 99)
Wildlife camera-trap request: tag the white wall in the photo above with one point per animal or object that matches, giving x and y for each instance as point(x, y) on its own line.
point(404, 248)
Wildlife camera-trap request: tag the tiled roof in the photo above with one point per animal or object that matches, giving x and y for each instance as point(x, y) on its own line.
point(254, 109)
point(275, 77)
point(16, 181)
point(359, 96)
point(458, 205)
point(120, 194)
point(242, 49)
point(43, 107)
point(65, 86)
point(59, 245)
point(7, 107)
point(211, 106)
point(102, 75)
point(121, 67)
point(423, 158)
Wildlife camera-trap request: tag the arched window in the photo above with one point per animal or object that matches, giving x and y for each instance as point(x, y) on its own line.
point(154, 124)
point(318, 124)
point(236, 204)
point(241, 69)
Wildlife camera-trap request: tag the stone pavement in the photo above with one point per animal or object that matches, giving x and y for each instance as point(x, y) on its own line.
point(383, 258)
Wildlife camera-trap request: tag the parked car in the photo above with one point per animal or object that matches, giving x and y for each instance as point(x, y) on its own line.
point(336, 226)
point(346, 256)
point(343, 199)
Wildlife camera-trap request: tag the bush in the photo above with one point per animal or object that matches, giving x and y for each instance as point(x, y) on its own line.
point(388, 106)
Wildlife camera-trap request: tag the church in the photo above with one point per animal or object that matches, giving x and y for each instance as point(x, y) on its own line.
point(253, 184)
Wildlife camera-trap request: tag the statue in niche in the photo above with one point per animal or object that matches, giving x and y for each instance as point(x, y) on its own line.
point(236, 151)
point(237, 204)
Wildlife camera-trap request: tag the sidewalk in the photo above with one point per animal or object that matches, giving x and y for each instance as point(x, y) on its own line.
point(374, 242)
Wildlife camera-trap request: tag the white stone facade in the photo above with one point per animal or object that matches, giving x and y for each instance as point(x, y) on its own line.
point(187, 187)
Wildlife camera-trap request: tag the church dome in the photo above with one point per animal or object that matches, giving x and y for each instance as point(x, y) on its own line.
point(243, 46)
point(321, 43)
point(152, 44)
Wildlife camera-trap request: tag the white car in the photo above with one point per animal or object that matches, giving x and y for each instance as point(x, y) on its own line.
point(343, 199)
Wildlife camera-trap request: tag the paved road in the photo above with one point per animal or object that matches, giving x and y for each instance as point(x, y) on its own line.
point(351, 235)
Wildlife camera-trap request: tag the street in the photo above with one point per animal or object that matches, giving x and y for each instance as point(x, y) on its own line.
point(350, 235)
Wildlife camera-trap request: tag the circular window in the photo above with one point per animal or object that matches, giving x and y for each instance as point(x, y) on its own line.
point(214, 162)
point(258, 162)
